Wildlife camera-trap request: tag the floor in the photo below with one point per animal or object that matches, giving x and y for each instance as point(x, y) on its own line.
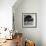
point(9, 43)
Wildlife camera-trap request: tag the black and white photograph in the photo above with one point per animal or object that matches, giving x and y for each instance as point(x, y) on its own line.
point(29, 19)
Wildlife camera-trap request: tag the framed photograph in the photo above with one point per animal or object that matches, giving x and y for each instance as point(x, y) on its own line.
point(29, 20)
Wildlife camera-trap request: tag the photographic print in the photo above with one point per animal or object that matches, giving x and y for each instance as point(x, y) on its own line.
point(29, 19)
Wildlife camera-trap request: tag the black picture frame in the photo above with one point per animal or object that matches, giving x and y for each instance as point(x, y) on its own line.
point(29, 20)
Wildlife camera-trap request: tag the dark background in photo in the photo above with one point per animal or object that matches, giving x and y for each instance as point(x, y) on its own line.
point(28, 19)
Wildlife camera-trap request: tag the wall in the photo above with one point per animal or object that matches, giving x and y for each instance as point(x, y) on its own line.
point(31, 6)
point(43, 22)
point(6, 13)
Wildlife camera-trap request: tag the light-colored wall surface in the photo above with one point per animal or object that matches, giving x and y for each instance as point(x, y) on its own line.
point(43, 22)
point(31, 6)
point(6, 13)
